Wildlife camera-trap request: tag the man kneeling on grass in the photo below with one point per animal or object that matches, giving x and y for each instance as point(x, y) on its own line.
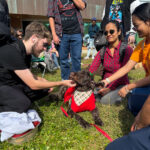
point(18, 86)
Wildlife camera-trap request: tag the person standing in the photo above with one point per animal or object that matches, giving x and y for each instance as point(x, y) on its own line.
point(119, 10)
point(93, 29)
point(67, 28)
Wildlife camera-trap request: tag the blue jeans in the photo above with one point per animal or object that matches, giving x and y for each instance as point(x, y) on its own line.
point(54, 57)
point(137, 98)
point(137, 140)
point(70, 43)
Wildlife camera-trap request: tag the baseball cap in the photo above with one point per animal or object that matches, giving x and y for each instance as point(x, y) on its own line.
point(93, 19)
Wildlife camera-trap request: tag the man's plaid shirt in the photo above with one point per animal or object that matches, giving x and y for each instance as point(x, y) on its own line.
point(53, 11)
point(111, 64)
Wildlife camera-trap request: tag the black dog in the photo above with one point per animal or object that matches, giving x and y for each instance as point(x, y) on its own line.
point(84, 83)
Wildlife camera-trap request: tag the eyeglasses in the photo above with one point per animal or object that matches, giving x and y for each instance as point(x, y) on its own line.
point(110, 31)
point(45, 45)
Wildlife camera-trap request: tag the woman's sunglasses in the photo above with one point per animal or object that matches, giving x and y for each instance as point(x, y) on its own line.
point(110, 31)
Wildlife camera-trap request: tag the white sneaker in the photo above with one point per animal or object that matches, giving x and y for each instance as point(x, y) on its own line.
point(86, 57)
point(92, 57)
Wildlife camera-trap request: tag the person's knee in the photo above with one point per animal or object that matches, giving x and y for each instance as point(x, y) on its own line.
point(22, 105)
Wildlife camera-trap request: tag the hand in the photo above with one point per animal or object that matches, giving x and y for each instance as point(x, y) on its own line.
point(105, 83)
point(104, 91)
point(50, 90)
point(131, 39)
point(123, 91)
point(69, 83)
point(56, 39)
point(57, 54)
point(137, 123)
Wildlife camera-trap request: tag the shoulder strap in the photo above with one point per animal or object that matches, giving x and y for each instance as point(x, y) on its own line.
point(102, 52)
point(122, 50)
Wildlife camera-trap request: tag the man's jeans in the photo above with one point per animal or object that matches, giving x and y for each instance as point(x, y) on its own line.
point(54, 57)
point(70, 43)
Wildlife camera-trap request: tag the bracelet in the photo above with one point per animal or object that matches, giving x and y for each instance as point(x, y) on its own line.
point(107, 80)
point(126, 88)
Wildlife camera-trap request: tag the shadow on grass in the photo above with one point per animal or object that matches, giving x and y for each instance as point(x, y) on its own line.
point(126, 118)
point(44, 102)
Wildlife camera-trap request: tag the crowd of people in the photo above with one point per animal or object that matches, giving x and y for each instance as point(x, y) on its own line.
point(116, 57)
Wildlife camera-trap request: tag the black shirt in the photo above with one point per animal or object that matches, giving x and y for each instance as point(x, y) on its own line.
point(69, 18)
point(13, 57)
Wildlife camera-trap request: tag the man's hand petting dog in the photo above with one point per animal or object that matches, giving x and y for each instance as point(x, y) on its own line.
point(69, 83)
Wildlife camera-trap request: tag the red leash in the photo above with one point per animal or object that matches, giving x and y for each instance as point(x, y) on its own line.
point(103, 132)
point(97, 128)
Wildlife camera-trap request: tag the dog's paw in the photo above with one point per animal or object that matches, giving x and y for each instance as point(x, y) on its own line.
point(85, 124)
point(99, 122)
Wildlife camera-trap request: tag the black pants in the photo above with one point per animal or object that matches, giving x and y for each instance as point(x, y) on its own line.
point(18, 98)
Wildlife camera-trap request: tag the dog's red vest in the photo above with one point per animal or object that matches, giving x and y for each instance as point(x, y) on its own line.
point(88, 105)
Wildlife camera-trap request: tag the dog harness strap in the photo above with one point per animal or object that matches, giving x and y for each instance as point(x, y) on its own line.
point(63, 110)
point(103, 132)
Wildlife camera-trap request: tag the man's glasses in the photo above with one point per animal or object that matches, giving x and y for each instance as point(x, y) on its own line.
point(110, 31)
point(45, 45)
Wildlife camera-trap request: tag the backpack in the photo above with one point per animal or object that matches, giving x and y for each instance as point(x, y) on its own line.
point(5, 34)
point(100, 40)
point(121, 51)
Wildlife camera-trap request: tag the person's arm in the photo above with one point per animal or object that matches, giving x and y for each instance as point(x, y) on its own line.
point(81, 4)
point(140, 83)
point(36, 84)
point(52, 26)
point(121, 72)
point(143, 82)
point(51, 16)
point(143, 118)
point(53, 50)
point(113, 85)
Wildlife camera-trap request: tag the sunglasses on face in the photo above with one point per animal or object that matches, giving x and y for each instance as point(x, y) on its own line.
point(110, 31)
point(45, 45)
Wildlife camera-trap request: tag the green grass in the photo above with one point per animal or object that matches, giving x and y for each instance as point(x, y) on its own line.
point(57, 132)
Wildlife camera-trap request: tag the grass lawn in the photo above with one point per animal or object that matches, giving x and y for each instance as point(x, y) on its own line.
point(57, 132)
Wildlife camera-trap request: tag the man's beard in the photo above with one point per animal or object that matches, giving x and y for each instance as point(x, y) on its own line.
point(34, 51)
